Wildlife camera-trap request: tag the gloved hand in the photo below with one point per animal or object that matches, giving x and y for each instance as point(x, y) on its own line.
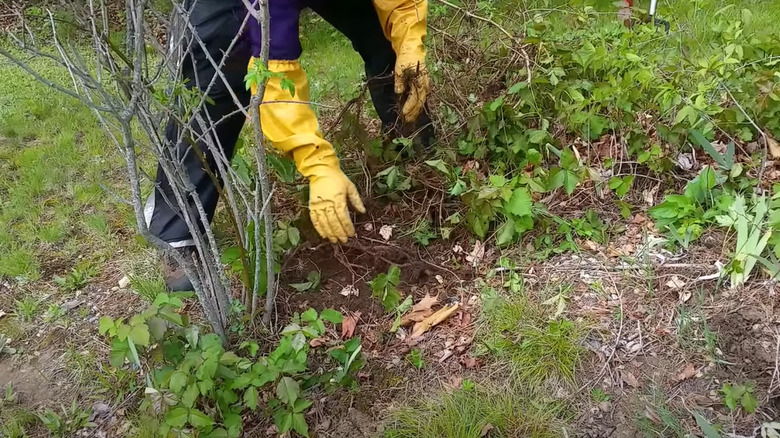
point(404, 24)
point(411, 81)
point(329, 192)
point(292, 128)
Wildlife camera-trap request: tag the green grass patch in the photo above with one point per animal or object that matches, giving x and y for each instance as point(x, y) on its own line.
point(475, 413)
point(515, 329)
point(54, 157)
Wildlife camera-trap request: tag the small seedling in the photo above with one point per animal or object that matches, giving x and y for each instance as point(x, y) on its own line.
point(53, 313)
point(9, 395)
point(385, 288)
point(26, 308)
point(423, 234)
point(598, 395)
point(312, 283)
point(468, 385)
point(76, 279)
point(415, 358)
point(740, 395)
point(5, 346)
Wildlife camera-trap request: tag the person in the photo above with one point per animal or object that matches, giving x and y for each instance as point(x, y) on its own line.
point(388, 35)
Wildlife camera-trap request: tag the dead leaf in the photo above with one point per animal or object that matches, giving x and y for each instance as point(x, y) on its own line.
point(477, 254)
point(630, 379)
point(652, 415)
point(465, 319)
point(348, 290)
point(685, 296)
point(591, 246)
point(440, 279)
point(456, 382)
point(446, 354)
point(469, 362)
point(368, 227)
point(316, 342)
point(348, 325)
point(386, 232)
point(421, 310)
point(774, 147)
point(675, 283)
point(688, 371)
point(486, 430)
point(442, 314)
point(2, 314)
point(638, 219)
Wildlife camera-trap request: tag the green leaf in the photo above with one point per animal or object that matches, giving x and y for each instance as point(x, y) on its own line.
point(514, 89)
point(298, 341)
point(332, 316)
point(105, 324)
point(287, 390)
point(394, 275)
point(119, 351)
point(520, 203)
point(190, 396)
point(157, 327)
point(706, 428)
point(749, 402)
point(289, 85)
point(176, 417)
point(283, 421)
point(537, 136)
point(291, 328)
point(123, 331)
point(299, 424)
point(250, 398)
point(309, 315)
point(199, 419)
point(178, 380)
point(633, 57)
point(688, 112)
point(301, 405)
point(506, 233)
point(140, 335)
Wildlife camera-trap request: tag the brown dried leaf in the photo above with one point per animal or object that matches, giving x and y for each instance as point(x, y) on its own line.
point(442, 314)
point(421, 310)
point(774, 147)
point(469, 362)
point(652, 415)
point(486, 430)
point(688, 371)
point(630, 379)
point(349, 324)
point(316, 342)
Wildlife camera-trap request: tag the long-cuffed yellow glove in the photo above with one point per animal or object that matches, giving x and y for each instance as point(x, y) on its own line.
point(404, 24)
point(291, 126)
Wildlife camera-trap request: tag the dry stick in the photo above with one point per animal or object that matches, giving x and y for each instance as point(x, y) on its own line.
point(263, 17)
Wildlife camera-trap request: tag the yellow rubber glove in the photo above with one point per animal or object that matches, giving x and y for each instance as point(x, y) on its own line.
point(291, 126)
point(404, 23)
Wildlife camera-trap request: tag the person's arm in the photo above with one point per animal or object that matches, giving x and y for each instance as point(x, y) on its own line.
point(404, 23)
point(290, 124)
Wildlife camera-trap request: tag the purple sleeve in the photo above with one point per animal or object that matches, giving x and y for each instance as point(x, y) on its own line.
point(285, 44)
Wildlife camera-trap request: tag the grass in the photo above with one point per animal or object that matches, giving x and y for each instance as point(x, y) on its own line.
point(471, 414)
point(667, 423)
point(516, 330)
point(333, 67)
point(54, 157)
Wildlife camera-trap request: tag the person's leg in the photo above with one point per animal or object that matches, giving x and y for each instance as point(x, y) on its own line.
point(210, 20)
point(359, 22)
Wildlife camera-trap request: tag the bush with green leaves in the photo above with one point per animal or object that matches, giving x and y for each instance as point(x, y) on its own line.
point(199, 388)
